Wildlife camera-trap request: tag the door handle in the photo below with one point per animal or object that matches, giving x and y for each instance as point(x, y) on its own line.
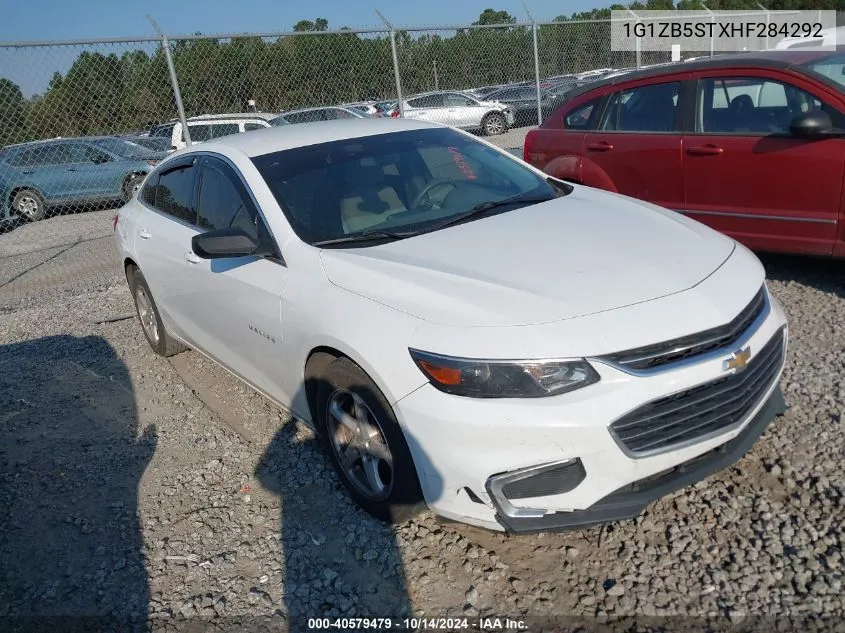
point(189, 256)
point(602, 146)
point(143, 234)
point(705, 150)
point(451, 109)
point(71, 168)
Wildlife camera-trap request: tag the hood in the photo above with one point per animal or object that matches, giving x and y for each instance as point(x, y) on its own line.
point(584, 253)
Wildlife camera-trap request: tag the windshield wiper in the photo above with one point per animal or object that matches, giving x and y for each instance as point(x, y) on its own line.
point(367, 236)
point(484, 207)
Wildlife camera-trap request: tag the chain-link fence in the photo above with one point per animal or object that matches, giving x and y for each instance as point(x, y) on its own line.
point(82, 122)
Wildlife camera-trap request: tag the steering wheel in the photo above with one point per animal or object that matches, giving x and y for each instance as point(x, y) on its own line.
point(422, 195)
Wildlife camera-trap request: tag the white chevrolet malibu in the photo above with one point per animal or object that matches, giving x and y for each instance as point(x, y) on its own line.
point(461, 330)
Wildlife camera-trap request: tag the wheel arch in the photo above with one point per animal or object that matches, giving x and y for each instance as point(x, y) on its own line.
point(16, 190)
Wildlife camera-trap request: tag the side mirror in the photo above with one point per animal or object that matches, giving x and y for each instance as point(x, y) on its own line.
point(811, 124)
point(223, 243)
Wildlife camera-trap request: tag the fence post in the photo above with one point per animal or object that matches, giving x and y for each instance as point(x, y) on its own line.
point(396, 73)
point(534, 28)
point(638, 41)
point(174, 80)
point(712, 24)
point(768, 19)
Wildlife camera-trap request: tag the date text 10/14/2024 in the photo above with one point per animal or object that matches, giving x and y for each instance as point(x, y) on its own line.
point(418, 624)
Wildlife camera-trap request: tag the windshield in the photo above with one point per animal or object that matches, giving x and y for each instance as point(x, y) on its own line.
point(832, 67)
point(124, 148)
point(401, 182)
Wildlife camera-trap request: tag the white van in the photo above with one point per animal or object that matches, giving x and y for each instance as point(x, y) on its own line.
point(211, 126)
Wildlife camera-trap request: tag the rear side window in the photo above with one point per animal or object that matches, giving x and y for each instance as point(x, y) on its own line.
point(175, 193)
point(579, 118)
point(199, 133)
point(650, 108)
point(306, 117)
point(248, 127)
point(148, 193)
point(429, 101)
point(224, 129)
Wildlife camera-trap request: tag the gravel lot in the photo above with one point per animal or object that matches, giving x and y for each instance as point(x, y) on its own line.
point(115, 462)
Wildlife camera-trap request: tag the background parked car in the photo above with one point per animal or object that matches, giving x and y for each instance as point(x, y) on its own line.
point(460, 110)
point(211, 126)
point(749, 144)
point(37, 176)
point(523, 101)
point(154, 143)
point(310, 115)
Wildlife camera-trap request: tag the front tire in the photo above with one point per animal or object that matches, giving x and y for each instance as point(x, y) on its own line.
point(158, 338)
point(494, 124)
point(365, 443)
point(29, 204)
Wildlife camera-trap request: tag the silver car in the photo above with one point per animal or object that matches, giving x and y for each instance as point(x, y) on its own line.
point(460, 110)
point(325, 113)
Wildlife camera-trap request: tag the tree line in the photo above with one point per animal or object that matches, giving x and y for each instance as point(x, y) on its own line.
point(112, 94)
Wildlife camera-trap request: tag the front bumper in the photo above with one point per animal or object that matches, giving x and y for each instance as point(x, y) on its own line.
point(462, 447)
point(631, 500)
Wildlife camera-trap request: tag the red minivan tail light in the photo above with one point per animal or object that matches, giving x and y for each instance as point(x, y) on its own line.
point(528, 146)
point(115, 220)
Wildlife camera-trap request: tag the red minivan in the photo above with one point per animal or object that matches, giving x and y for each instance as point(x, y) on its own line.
point(752, 144)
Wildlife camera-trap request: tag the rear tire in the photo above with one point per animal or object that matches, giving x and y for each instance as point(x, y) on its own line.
point(158, 338)
point(373, 461)
point(29, 205)
point(494, 124)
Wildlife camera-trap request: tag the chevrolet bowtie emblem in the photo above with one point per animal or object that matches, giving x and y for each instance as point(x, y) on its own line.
point(738, 360)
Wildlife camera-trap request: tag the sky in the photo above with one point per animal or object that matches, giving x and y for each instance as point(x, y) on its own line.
point(79, 19)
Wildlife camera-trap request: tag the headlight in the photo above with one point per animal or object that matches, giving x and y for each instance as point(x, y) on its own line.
point(504, 379)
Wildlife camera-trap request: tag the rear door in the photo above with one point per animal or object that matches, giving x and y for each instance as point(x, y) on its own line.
point(163, 242)
point(747, 176)
point(636, 149)
point(557, 147)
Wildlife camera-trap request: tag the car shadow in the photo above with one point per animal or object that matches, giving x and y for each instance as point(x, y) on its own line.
point(824, 274)
point(71, 459)
point(338, 560)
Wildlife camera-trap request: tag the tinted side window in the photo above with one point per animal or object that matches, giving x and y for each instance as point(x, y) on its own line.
point(199, 133)
point(253, 126)
point(579, 118)
point(148, 193)
point(453, 100)
point(429, 101)
point(305, 117)
point(222, 201)
point(80, 153)
point(224, 129)
point(645, 109)
point(175, 193)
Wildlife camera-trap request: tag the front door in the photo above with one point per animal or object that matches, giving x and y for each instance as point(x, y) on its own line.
point(237, 314)
point(745, 175)
point(163, 240)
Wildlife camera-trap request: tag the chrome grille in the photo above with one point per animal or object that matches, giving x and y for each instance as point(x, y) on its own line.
point(652, 356)
point(691, 414)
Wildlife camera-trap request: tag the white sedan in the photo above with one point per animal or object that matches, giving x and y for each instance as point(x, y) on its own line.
point(462, 330)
